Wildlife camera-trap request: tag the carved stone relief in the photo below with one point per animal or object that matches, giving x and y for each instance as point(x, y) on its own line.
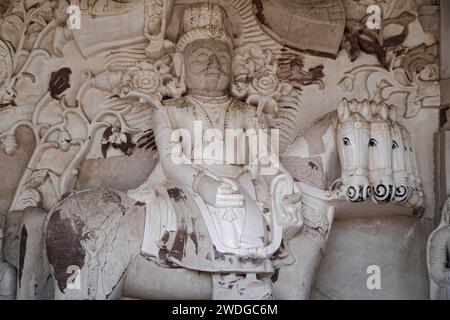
point(107, 94)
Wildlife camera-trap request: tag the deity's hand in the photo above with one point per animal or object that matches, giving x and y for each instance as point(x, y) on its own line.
point(145, 98)
point(220, 194)
point(292, 209)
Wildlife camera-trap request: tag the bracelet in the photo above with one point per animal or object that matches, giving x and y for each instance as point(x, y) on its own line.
point(197, 178)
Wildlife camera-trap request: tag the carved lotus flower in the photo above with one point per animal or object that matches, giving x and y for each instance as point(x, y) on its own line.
point(266, 82)
point(146, 81)
point(147, 78)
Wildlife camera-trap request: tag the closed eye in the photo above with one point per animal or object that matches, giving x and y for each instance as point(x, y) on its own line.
point(373, 143)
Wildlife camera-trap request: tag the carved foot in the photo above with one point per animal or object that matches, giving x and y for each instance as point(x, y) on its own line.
point(246, 287)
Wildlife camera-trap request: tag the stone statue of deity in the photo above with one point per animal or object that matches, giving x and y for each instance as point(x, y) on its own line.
point(214, 209)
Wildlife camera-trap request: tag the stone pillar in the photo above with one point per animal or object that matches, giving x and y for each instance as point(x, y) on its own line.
point(445, 52)
point(443, 136)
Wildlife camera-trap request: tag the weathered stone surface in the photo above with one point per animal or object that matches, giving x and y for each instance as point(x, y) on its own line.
point(121, 173)
point(296, 23)
point(336, 89)
point(12, 167)
point(396, 245)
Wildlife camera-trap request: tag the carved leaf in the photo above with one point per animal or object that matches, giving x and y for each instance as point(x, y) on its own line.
point(395, 40)
point(373, 48)
point(105, 147)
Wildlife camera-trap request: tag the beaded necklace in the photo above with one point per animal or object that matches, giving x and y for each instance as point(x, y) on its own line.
point(198, 104)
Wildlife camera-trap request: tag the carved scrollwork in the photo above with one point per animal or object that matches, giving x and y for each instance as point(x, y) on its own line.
point(23, 29)
point(273, 83)
point(382, 85)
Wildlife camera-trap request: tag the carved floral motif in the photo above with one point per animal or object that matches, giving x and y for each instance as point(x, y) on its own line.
point(382, 85)
point(113, 137)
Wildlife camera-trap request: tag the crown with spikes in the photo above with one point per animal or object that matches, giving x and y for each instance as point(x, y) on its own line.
point(204, 21)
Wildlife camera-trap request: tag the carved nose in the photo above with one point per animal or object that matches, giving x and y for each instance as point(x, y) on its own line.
point(213, 61)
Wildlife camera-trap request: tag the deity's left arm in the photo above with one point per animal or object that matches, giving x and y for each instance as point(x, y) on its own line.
point(284, 193)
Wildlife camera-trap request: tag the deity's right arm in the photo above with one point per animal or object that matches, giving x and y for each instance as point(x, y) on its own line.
point(169, 148)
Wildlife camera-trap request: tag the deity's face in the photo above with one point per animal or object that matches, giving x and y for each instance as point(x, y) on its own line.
point(208, 66)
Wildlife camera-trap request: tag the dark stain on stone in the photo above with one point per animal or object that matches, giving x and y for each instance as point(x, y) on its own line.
point(193, 235)
point(165, 237)
point(252, 260)
point(162, 254)
point(176, 194)
point(147, 141)
point(114, 197)
point(258, 5)
point(22, 250)
point(163, 251)
point(65, 195)
point(313, 166)
point(274, 277)
point(179, 244)
point(291, 68)
point(418, 212)
point(443, 117)
point(178, 250)
point(111, 196)
point(59, 82)
point(139, 204)
point(281, 252)
point(218, 255)
point(63, 243)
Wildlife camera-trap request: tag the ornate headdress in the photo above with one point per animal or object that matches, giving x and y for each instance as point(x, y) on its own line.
point(204, 21)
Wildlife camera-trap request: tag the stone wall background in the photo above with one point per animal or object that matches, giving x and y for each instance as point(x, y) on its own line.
point(396, 244)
